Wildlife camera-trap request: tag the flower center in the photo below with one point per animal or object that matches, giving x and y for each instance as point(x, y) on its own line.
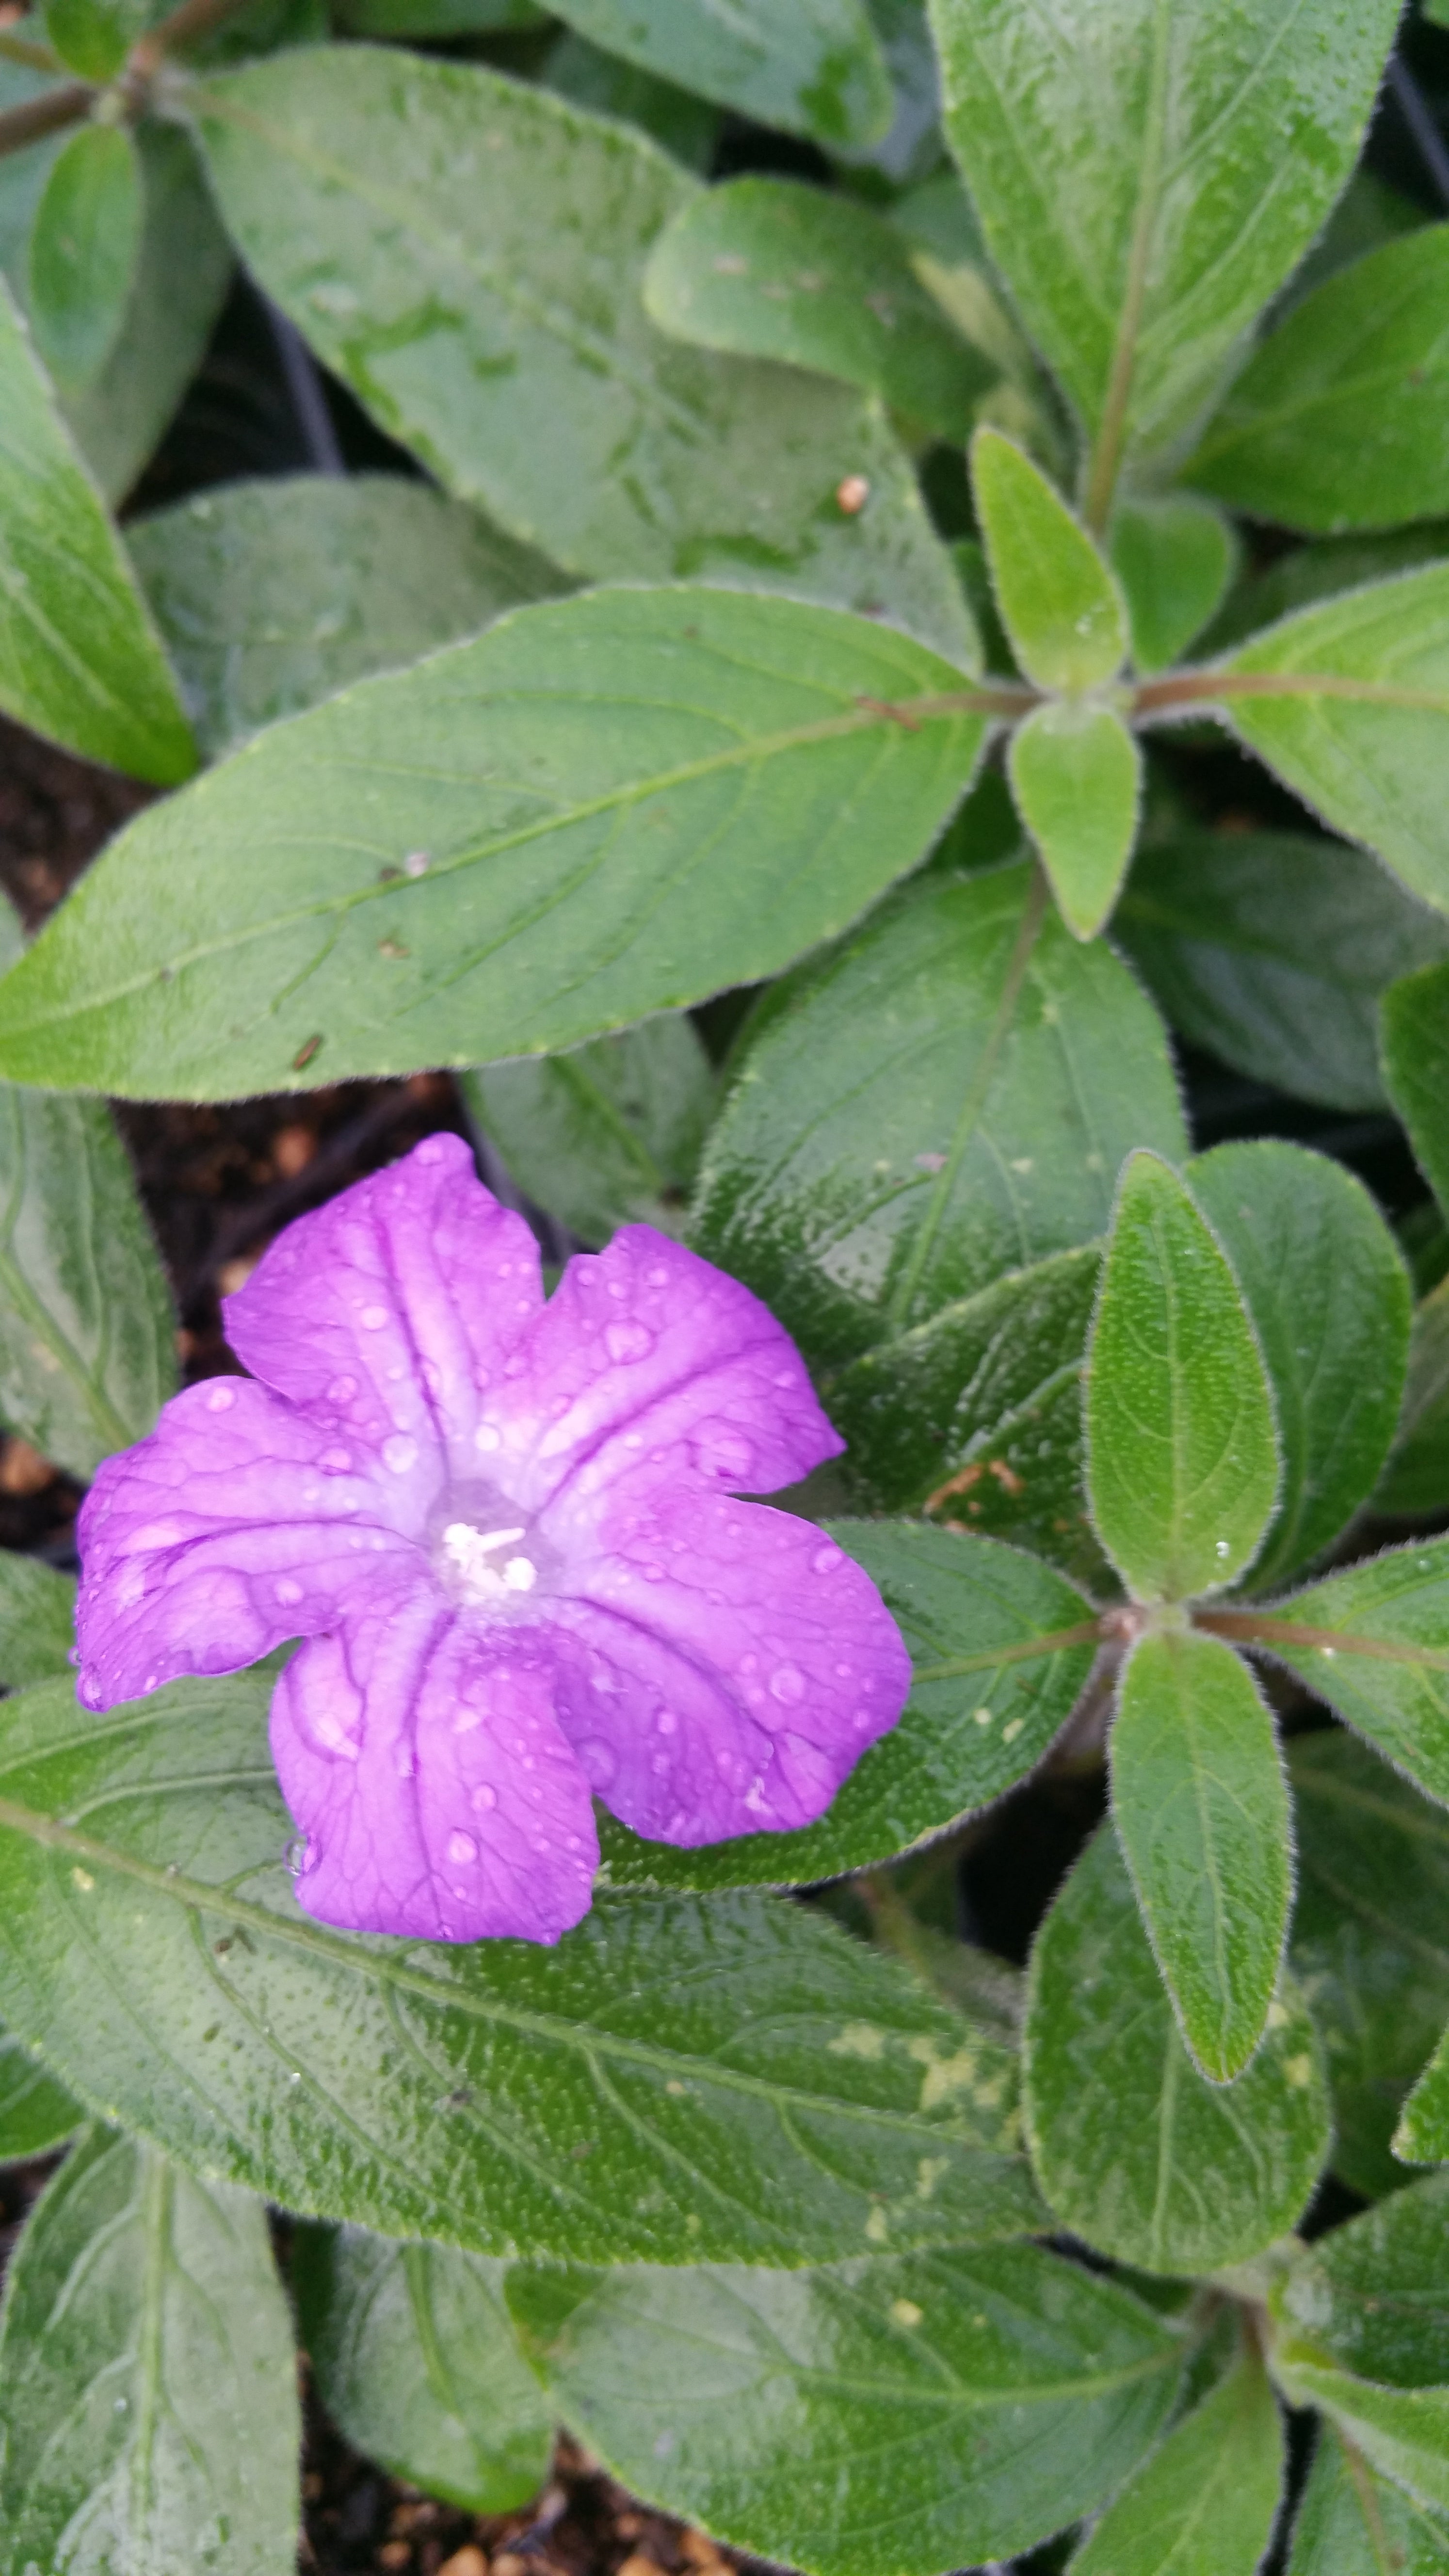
point(482, 1565)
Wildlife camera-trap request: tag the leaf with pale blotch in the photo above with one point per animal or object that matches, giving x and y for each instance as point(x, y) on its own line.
point(661, 2086)
point(1182, 1455)
point(1136, 2152)
point(884, 2418)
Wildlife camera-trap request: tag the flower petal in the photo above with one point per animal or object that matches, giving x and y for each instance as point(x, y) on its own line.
point(740, 1662)
point(386, 1311)
point(423, 1763)
point(645, 1348)
point(233, 1526)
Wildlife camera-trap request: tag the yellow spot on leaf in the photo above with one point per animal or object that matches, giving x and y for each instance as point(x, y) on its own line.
point(906, 2312)
point(859, 2039)
point(82, 1879)
point(877, 2227)
point(944, 2076)
point(1299, 2071)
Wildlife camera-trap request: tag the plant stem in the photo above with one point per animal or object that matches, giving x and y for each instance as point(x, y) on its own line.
point(24, 49)
point(37, 117)
point(194, 19)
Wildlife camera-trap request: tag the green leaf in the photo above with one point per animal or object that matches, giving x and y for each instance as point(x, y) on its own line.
point(498, 329)
point(1373, 2297)
point(1059, 600)
point(769, 268)
point(884, 2418)
point(1422, 2136)
point(1416, 1067)
point(1373, 1643)
point(148, 2387)
point(1349, 703)
point(686, 125)
point(1325, 1285)
point(93, 37)
point(1370, 1940)
point(1182, 1469)
point(1369, 213)
point(977, 1415)
point(86, 1328)
point(1200, 1803)
point(79, 660)
point(812, 67)
point(182, 274)
point(1307, 574)
point(1136, 2151)
point(417, 2364)
point(1353, 2523)
point(1416, 1479)
point(1206, 2502)
point(1271, 950)
point(36, 2113)
point(946, 1097)
point(609, 1134)
point(1175, 559)
point(1147, 176)
point(84, 251)
point(602, 808)
point(1076, 775)
point(273, 594)
point(1338, 420)
point(1404, 2432)
point(1001, 1649)
point(37, 1620)
point(499, 2096)
point(420, 21)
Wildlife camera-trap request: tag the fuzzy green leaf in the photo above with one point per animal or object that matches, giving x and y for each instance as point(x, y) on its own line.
point(946, 1097)
point(1147, 176)
point(418, 2366)
point(1414, 1016)
point(500, 2096)
point(880, 2418)
point(1374, 1643)
point(1134, 2150)
point(1182, 1466)
point(1339, 420)
point(1416, 1479)
point(978, 1414)
point(602, 808)
point(1325, 1285)
point(605, 1136)
point(1001, 1649)
point(1205, 2503)
point(1059, 600)
point(1175, 558)
point(811, 66)
point(1200, 1803)
point(468, 254)
point(273, 594)
point(1353, 2523)
point(36, 2113)
point(1370, 1940)
point(1373, 2297)
point(83, 253)
point(93, 37)
point(148, 2388)
point(1272, 950)
point(769, 268)
point(1076, 775)
point(37, 1621)
point(1349, 703)
point(87, 1355)
point(79, 659)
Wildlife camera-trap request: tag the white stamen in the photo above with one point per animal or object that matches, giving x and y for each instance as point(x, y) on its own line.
point(469, 1549)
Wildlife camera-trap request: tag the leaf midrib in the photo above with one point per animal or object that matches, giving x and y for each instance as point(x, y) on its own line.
point(317, 1942)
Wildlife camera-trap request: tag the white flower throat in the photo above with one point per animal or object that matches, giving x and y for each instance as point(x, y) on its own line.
point(483, 1571)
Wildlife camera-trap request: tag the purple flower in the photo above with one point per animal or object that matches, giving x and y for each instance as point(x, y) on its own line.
point(505, 1531)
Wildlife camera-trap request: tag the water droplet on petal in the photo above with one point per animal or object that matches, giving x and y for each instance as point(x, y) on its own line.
point(461, 1849)
point(220, 1400)
point(628, 1342)
point(787, 1684)
point(484, 1800)
point(288, 1592)
point(486, 1436)
point(666, 1721)
point(596, 1761)
point(342, 1390)
point(399, 1452)
point(373, 1318)
point(824, 1558)
point(656, 1278)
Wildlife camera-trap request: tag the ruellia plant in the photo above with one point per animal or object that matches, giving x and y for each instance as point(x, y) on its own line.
point(902, 660)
